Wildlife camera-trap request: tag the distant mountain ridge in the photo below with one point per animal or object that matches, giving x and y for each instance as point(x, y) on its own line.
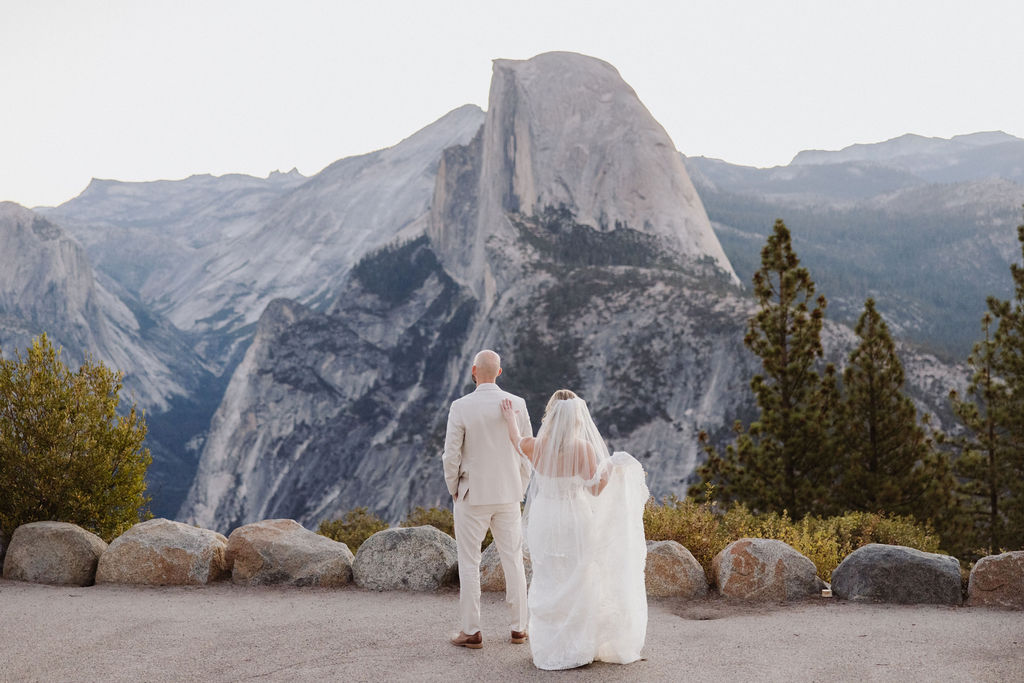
point(924, 225)
point(867, 170)
point(209, 252)
point(908, 145)
point(151, 236)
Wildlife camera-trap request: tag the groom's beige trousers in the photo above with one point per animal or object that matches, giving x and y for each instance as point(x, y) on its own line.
point(506, 524)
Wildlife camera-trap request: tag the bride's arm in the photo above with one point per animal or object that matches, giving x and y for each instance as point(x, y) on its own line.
point(592, 464)
point(522, 443)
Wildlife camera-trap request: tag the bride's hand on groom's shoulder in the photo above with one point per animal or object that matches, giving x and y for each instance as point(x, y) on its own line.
point(507, 411)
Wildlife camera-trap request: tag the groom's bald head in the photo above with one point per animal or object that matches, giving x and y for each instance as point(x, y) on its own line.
point(486, 366)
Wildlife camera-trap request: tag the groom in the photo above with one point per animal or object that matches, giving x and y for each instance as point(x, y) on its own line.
point(487, 479)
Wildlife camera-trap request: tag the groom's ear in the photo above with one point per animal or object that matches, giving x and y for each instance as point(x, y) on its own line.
point(499, 374)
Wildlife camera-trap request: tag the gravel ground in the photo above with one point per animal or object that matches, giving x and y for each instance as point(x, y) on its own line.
point(229, 633)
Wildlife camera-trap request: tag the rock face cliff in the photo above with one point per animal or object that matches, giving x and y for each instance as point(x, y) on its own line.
point(331, 408)
point(304, 245)
point(564, 130)
point(567, 236)
point(47, 284)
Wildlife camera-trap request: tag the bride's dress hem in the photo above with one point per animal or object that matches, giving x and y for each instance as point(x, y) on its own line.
point(568, 667)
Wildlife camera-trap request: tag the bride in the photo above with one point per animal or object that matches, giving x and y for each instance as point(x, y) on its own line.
point(584, 531)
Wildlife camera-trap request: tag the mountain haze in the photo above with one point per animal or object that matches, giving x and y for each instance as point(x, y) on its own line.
point(302, 246)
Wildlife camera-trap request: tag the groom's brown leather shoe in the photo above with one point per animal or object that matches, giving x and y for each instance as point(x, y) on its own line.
point(473, 642)
point(518, 637)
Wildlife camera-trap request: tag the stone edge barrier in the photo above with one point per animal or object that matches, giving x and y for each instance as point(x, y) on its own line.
point(1005, 591)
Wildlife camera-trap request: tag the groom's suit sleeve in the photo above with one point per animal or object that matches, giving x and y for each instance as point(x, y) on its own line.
point(452, 456)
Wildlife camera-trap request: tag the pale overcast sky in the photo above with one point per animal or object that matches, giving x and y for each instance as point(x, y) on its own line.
point(141, 90)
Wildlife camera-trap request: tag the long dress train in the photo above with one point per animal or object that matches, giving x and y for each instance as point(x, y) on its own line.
point(587, 599)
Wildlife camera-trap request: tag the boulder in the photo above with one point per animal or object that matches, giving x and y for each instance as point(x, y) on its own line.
point(419, 558)
point(53, 552)
point(896, 573)
point(998, 581)
point(160, 552)
point(672, 571)
point(282, 551)
point(492, 574)
point(764, 569)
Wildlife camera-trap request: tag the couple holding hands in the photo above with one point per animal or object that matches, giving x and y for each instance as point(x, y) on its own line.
point(583, 524)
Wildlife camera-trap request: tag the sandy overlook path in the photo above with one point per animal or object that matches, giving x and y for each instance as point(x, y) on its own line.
point(230, 633)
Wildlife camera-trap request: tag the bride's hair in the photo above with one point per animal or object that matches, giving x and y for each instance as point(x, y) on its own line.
point(560, 395)
point(566, 436)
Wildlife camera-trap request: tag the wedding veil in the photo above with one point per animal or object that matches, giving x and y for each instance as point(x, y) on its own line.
point(584, 525)
point(568, 444)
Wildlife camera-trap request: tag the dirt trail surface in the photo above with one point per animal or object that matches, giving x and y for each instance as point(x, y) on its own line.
point(229, 633)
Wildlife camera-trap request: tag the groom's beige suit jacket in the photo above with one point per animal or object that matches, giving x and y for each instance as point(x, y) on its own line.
point(480, 463)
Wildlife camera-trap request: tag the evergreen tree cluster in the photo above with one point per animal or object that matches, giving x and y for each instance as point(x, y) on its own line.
point(824, 444)
point(781, 461)
point(887, 459)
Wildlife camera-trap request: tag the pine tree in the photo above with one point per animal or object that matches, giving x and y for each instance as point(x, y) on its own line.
point(785, 459)
point(982, 466)
point(992, 464)
point(1009, 365)
point(887, 462)
point(65, 453)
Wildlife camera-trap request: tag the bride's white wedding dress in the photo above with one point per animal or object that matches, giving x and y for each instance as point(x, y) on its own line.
point(587, 599)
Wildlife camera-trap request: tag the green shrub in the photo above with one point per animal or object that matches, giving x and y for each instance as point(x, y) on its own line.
point(705, 530)
point(826, 541)
point(440, 518)
point(354, 527)
point(66, 455)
